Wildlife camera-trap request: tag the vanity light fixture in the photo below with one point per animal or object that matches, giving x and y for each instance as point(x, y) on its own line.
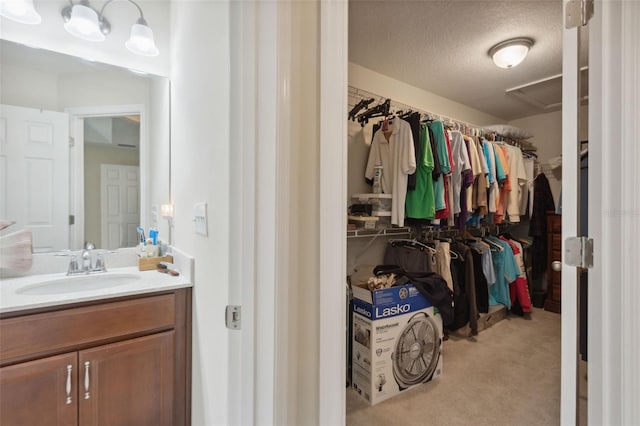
point(21, 11)
point(83, 21)
point(510, 53)
point(166, 211)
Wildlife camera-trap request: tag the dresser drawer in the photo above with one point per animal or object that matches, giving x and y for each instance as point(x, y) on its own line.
point(554, 223)
point(70, 329)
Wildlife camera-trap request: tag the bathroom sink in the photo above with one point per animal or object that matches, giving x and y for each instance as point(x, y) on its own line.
point(79, 283)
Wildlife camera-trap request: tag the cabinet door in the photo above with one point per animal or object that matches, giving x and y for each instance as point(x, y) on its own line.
point(129, 382)
point(41, 392)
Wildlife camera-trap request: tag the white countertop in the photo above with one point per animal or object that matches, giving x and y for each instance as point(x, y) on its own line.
point(46, 269)
point(149, 282)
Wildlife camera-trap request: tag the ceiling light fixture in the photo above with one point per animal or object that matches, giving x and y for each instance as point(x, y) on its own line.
point(510, 53)
point(84, 22)
point(21, 11)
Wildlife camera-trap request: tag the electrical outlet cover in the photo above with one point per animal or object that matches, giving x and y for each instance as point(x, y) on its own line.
point(200, 218)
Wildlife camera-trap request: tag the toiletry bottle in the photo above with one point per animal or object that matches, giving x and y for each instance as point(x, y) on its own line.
point(149, 247)
point(377, 179)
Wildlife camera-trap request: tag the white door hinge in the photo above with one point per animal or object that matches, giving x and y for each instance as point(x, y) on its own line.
point(232, 317)
point(72, 142)
point(578, 252)
point(578, 13)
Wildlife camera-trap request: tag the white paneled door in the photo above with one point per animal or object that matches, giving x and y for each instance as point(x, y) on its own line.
point(119, 205)
point(34, 174)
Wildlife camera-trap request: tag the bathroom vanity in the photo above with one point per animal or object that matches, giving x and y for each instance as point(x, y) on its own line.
point(115, 355)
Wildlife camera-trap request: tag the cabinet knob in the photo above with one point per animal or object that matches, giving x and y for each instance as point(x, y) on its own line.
point(556, 265)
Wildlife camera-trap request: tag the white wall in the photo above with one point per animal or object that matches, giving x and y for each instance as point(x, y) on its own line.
point(28, 88)
point(36, 89)
point(50, 34)
point(547, 137)
point(200, 85)
point(94, 89)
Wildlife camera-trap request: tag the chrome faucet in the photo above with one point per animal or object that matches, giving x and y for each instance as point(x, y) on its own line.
point(86, 266)
point(86, 258)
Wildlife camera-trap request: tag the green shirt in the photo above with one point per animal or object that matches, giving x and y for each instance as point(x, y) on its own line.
point(420, 203)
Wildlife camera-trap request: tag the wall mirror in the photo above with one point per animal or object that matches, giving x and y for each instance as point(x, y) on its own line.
point(84, 149)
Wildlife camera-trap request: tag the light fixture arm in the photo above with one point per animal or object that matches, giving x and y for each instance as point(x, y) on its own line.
point(108, 2)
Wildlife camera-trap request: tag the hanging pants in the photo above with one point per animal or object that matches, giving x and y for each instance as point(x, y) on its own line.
point(519, 290)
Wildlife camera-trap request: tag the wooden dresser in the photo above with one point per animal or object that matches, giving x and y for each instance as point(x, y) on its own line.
point(554, 253)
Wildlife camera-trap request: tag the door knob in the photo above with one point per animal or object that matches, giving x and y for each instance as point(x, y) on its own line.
point(556, 265)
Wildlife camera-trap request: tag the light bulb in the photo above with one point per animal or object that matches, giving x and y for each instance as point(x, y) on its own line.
point(21, 11)
point(141, 41)
point(84, 23)
point(510, 53)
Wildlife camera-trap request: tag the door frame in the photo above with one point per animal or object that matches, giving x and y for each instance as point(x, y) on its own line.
point(570, 220)
point(332, 388)
point(76, 162)
point(614, 178)
point(334, 78)
point(611, 396)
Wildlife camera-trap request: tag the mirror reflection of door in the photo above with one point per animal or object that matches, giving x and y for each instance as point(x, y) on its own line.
point(112, 180)
point(34, 170)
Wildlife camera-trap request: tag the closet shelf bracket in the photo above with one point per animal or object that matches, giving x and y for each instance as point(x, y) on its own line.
point(361, 233)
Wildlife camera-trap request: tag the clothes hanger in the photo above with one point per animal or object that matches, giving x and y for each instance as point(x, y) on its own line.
point(415, 243)
point(380, 110)
point(364, 103)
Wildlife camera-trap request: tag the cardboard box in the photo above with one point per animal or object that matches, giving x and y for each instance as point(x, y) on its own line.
point(397, 338)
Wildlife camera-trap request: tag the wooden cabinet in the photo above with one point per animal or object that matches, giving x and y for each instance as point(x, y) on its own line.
point(42, 392)
point(123, 362)
point(554, 253)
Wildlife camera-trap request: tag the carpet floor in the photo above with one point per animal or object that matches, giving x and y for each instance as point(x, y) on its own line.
point(507, 375)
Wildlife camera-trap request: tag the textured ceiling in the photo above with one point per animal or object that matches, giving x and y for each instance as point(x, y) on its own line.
point(441, 46)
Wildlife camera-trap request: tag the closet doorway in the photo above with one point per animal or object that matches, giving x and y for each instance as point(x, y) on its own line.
point(433, 56)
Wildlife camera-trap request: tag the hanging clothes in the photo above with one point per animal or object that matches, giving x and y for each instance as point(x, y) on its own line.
point(414, 122)
point(443, 262)
point(482, 287)
point(443, 157)
point(420, 203)
point(506, 270)
point(505, 184)
point(481, 184)
point(519, 289)
point(464, 293)
point(410, 257)
point(526, 195)
point(542, 203)
point(518, 178)
point(393, 150)
point(463, 164)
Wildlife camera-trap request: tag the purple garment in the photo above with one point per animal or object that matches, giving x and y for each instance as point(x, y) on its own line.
point(467, 181)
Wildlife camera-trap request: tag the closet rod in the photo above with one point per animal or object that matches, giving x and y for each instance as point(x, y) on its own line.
point(361, 94)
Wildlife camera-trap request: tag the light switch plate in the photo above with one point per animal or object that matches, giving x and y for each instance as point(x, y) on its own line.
point(200, 218)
